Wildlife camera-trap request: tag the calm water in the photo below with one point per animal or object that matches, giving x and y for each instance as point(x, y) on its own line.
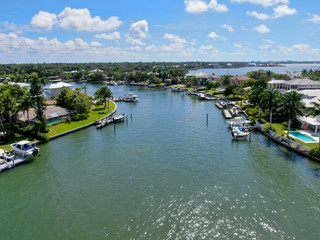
point(245, 70)
point(164, 174)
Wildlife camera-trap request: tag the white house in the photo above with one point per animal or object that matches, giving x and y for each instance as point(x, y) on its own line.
point(295, 84)
point(201, 76)
point(54, 89)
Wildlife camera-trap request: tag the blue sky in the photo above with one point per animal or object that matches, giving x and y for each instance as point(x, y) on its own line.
point(152, 30)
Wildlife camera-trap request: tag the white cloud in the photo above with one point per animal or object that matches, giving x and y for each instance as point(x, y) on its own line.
point(109, 36)
point(261, 16)
point(95, 44)
point(262, 29)
point(267, 46)
point(199, 6)
point(299, 49)
point(44, 20)
point(238, 45)
point(206, 48)
point(81, 20)
point(268, 41)
point(214, 35)
point(139, 31)
point(177, 43)
point(227, 27)
point(315, 19)
point(151, 48)
point(283, 10)
point(21, 49)
point(265, 3)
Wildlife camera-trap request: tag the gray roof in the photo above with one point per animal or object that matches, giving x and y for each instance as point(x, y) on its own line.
point(197, 74)
point(304, 81)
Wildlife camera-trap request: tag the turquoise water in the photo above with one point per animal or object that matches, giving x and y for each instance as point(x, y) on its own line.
point(163, 174)
point(302, 137)
point(55, 121)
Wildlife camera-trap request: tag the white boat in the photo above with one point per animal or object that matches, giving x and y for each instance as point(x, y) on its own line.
point(25, 148)
point(119, 118)
point(240, 133)
point(239, 122)
point(201, 96)
point(6, 155)
point(174, 89)
point(130, 97)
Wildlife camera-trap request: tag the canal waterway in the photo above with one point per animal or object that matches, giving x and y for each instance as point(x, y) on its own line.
point(163, 174)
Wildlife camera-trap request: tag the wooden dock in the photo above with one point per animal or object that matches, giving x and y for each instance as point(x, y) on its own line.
point(226, 114)
point(218, 105)
point(4, 165)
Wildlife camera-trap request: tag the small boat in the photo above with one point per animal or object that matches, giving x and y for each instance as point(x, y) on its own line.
point(119, 118)
point(174, 89)
point(130, 98)
point(152, 85)
point(240, 133)
point(234, 111)
point(239, 122)
point(201, 96)
point(25, 148)
point(8, 156)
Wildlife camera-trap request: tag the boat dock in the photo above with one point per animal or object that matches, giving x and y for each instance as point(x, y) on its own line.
point(226, 114)
point(11, 162)
point(106, 121)
point(218, 105)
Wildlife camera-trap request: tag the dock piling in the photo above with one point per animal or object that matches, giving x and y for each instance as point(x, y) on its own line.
point(207, 118)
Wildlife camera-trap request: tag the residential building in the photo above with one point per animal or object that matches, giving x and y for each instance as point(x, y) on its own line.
point(54, 89)
point(295, 84)
point(238, 79)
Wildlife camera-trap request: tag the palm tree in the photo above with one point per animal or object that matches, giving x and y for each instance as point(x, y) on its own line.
point(25, 104)
point(255, 98)
point(291, 104)
point(103, 93)
point(85, 88)
point(314, 111)
point(270, 101)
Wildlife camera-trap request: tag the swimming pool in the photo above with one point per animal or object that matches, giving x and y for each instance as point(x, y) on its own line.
point(302, 137)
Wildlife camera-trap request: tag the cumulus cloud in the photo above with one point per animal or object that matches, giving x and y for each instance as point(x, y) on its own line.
point(227, 27)
point(267, 47)
point(315, 19)
point(261, 16)
point(44, 20)
point(177, 43)
point(138, 31)
point(151, 48)
point(283, 10)
point(301, 48)
point(238, 45)
point(199, 6)
point(278, 12)
point(262, 29)
point(21, 49)
point(265, 3)
point(81, 20)
point(268, 41)
point(109, 36)
point(206, 48)
point(214, 35)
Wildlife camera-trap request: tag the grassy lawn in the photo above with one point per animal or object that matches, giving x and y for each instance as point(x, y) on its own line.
point(95, 114)
point(281, 129)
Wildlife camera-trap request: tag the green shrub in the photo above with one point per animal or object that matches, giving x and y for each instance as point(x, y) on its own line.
point(79, 117)
point(262, 120)
point(315, 152)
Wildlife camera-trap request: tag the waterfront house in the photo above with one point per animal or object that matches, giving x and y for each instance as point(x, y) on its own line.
point(295, 84)
point(52, 113)
point(238, 79)
point(201, 76)
point(54, 89)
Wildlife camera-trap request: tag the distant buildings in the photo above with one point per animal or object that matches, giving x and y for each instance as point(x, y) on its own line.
point(201, 76)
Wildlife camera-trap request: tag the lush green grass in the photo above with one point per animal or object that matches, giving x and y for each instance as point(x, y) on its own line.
point(95, 114)
point(281, 129)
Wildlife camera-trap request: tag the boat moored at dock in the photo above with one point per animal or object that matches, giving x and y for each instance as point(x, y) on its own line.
point(25, 148)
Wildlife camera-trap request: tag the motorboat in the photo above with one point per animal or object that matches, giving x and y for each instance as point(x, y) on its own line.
point(119, 118)
point(174, 89)
point(8, 156)
point(25, 148)
point(239, 122)
point(130, 97)
point(240, 133)
point(201, 96)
